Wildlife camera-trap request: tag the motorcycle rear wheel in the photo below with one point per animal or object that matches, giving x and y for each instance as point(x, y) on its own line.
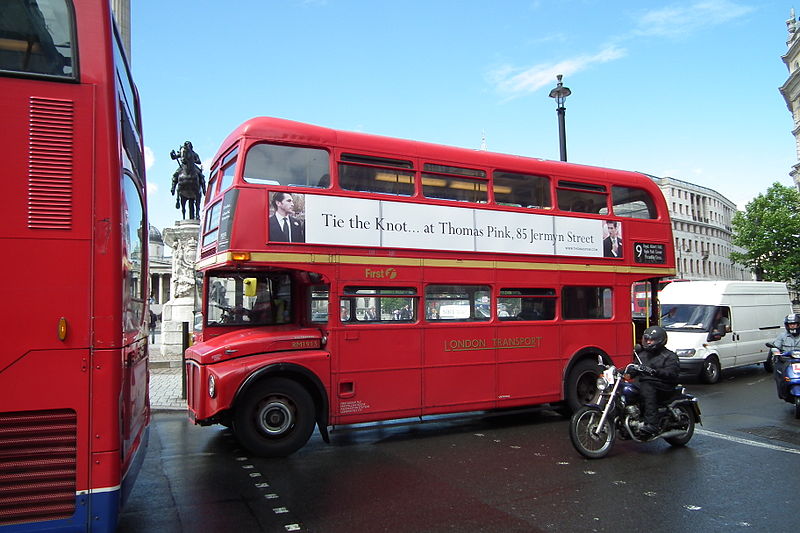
point(581, 432)
point(685, 420)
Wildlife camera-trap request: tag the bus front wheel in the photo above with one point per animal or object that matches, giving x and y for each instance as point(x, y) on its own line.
point(275, 418)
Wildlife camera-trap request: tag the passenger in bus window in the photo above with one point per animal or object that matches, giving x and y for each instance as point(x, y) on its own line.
point(612, 244)
point(530, 310)
point(284, 226)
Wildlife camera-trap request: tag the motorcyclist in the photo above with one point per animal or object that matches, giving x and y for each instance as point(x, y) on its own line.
point(658, 374)
point(786, 341)
point(790, 339)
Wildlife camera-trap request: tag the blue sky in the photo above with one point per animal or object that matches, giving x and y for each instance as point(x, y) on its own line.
point(686, 89)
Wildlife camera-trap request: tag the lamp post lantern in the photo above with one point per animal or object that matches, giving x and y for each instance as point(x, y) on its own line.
point(560, 93)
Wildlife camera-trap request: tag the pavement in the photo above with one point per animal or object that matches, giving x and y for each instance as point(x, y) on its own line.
point(166, 380)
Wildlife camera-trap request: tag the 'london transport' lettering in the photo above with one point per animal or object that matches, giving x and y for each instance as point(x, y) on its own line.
point(459, 345)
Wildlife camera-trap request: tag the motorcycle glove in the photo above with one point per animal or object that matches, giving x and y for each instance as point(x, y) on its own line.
point(650, 371)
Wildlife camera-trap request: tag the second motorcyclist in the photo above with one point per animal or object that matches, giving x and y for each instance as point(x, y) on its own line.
point(788, 340)
point(658, 374)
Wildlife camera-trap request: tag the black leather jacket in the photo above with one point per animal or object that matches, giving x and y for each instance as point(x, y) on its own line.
point(664, 362)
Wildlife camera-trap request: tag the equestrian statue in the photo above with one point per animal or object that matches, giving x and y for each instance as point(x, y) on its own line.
point(188, 181)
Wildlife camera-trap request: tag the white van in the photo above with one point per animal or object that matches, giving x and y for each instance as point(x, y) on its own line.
point(714, 325)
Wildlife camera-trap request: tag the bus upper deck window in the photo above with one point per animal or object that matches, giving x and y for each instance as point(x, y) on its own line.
point(376, 174)
point(522, 190)
point(455, 183)
point(228, 166)
point(581, 197)
point(631, 202)
point(37, 37)
point(275, 164)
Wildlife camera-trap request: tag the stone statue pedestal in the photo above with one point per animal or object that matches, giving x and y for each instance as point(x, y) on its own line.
point(182, 238)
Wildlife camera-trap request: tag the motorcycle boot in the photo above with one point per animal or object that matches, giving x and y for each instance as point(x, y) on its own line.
point(648, 430)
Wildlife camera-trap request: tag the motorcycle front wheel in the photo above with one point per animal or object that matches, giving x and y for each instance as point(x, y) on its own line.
point(686, 423)
point(590, 440)
point(797, 407)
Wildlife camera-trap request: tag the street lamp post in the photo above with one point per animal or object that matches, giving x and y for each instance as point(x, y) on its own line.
point(560, 93)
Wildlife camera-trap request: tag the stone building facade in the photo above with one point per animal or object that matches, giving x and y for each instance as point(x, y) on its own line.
point(160, 272)
point(701, 227)
point(791, 89)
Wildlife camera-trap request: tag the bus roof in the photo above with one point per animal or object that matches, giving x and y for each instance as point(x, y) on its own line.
point(290, 132)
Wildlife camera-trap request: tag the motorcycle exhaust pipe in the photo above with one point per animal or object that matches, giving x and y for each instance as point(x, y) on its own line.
point(671, 433)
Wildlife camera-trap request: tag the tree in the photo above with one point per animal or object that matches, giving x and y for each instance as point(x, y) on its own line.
point(769, 231)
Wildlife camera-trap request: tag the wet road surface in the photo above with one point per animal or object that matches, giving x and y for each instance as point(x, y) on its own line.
point(500, 472)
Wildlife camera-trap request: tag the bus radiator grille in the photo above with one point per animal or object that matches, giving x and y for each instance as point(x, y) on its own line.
point(38, 458)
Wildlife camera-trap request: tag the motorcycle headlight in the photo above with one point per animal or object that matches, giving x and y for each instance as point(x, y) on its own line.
point(685, 353)
point(602, 383)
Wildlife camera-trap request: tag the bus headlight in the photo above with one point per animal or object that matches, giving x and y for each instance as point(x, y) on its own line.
point(602, 384)
point(685, 353)
point(212, 386)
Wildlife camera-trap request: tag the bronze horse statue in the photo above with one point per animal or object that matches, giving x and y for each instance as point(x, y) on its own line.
point(188, 181)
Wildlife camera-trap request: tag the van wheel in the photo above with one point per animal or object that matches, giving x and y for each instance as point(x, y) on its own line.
point(274, 418)
point(581, 384)
point(711, 371)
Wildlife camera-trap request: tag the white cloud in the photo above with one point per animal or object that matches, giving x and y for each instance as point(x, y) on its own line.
point(516, 81)
point(684, 19)
point(152, 189)
point(678, 19)
point(149, 158)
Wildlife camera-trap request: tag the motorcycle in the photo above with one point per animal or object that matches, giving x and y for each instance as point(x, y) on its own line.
point(787, 375)
point(616, 411)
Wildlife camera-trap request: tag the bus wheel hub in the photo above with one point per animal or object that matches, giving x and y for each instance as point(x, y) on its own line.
point(275, 418)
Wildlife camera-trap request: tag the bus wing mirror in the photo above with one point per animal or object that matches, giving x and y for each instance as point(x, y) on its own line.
point(250, 286)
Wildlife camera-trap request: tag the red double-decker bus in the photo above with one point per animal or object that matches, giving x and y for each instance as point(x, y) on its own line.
point(74, 407)
point(350, 278)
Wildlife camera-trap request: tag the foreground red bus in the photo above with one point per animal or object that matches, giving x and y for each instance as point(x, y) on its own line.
point(74, 406)
point(351, 278)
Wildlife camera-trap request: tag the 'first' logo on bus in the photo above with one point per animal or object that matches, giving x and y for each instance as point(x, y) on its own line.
point(383, 273)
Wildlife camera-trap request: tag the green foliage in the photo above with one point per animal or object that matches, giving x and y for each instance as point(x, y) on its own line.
point(769, 231)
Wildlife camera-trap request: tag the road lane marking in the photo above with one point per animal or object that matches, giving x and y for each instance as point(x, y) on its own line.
point(746, 441)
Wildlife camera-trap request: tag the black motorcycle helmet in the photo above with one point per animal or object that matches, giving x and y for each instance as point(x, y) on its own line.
point(792, 324)
point(654, 338)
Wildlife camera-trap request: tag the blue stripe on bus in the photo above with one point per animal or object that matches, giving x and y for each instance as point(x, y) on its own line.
point(105, 506)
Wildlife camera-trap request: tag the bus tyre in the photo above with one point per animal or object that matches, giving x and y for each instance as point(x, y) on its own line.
point(711, 371)
point(274, 418)
point(581, 384)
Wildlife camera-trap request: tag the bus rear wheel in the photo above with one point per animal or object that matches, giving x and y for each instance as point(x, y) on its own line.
point(275, 418)
point(581, 384)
